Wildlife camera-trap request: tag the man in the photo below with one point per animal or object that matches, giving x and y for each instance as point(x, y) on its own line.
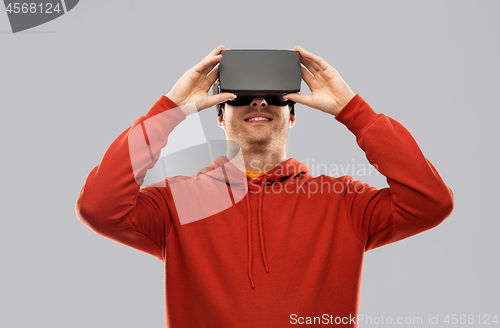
point(254, 240)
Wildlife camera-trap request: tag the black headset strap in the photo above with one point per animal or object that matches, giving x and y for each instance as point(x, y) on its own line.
point(219, 105)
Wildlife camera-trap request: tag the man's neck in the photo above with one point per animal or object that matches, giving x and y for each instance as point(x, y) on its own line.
point(253, 159)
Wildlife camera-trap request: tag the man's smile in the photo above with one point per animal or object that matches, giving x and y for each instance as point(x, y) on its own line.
point(258, 118)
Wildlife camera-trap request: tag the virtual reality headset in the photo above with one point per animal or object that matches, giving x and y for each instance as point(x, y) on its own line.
point(267, 73)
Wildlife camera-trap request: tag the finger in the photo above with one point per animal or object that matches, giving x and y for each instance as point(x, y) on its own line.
point(311, 66)
point(307, 63)
point(211, 78)
point(306, 76)
point(318, 62)
point(207, 64)
point(300, 98)
point(219, 98)
point(216, 51)
point(303, 59)
point(217, 54)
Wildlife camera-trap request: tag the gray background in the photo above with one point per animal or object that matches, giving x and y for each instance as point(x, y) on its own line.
point(69, 87)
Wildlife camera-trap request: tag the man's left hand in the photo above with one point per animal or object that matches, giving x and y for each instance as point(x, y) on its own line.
point(329, 92)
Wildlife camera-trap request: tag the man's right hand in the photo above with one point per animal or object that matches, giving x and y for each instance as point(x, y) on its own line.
point(193, 86)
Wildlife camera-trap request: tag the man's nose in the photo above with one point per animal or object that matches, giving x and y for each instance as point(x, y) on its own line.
point(256, 101)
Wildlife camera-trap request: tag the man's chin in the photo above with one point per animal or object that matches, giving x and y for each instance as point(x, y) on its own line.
point(252, 139)
point(258, 141)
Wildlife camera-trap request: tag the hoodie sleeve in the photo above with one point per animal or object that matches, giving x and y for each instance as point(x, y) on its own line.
point(112, 203)
point(416, 200)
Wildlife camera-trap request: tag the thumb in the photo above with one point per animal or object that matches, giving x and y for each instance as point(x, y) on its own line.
point(300, 98)
point(219, 98)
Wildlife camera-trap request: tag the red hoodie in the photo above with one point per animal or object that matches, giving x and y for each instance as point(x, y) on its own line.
point(281, 249)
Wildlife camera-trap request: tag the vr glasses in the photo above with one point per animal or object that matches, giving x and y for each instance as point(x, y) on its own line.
point(267, 73)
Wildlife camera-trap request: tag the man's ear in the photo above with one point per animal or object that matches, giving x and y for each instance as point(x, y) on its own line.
point(292, 120)
point(220, 120)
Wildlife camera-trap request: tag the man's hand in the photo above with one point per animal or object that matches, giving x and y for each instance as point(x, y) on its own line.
point(193, 86)
point(329, 92)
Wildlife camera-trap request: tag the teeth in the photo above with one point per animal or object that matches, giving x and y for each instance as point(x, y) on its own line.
point(258, 119)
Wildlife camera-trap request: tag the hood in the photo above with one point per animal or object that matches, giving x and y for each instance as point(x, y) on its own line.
point(223, 170)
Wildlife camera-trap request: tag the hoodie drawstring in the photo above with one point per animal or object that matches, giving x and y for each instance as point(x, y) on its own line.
point(262, 246)
point(297, 168)
point(249, 229)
